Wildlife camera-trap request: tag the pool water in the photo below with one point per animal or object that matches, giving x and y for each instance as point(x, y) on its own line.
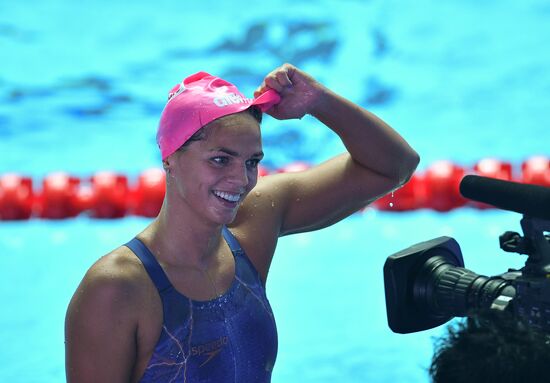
point(82, 86)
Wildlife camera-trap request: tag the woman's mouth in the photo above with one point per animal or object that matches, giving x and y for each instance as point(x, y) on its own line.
point(231, 198)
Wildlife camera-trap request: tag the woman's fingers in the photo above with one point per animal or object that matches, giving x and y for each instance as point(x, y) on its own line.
point(278, 79)
point(272, 82)
point(283, 78)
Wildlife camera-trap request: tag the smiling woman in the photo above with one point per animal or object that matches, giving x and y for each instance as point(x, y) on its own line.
point(223, 165)
point(185, 299)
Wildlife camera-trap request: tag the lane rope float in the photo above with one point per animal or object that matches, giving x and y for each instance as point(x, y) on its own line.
point(110, 195)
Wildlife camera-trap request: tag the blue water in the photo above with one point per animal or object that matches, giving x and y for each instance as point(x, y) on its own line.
point(82, 85)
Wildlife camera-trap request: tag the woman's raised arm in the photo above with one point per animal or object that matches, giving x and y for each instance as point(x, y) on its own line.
point(378, 160)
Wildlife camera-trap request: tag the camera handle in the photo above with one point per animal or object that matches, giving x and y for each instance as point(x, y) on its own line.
point(535, 244)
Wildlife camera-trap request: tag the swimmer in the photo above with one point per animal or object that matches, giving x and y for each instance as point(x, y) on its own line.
point(185, 299)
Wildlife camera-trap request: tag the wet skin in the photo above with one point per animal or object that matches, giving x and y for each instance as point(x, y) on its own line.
point(213, 176)
point(115, 317)
point(208, 180)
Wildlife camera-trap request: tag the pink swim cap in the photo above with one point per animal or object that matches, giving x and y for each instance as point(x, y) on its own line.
point(199, 99)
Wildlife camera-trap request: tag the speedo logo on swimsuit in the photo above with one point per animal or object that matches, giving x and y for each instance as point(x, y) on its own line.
point(210, 349)
point(230, 99)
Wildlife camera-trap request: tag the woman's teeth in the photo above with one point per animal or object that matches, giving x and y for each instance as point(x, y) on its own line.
point(227, 196)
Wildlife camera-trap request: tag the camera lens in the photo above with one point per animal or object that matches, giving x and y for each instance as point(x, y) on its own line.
point(445, 289)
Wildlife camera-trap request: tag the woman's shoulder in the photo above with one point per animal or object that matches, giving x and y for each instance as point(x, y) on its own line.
point(116, 278)
point(104, 318)
point(120, 266)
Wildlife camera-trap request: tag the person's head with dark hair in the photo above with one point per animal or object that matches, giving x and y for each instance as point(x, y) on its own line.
point(491, 346)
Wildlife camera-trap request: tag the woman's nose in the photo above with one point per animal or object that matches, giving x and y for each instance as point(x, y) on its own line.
point(239, 175)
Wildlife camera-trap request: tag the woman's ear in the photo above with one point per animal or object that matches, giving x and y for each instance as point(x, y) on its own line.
point(166, 165)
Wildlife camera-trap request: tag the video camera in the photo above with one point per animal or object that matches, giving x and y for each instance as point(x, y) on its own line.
point(426, 284)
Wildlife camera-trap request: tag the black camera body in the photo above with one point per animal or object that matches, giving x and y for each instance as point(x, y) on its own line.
point(426, 284)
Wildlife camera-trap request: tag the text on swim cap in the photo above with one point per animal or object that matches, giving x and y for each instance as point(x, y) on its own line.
point(181, 88)
point(229, 99)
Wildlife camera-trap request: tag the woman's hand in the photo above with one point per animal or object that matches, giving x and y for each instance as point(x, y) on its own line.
point(300, 93)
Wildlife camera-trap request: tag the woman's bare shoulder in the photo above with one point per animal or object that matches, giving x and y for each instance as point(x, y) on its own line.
point(103, 319)
point(117, 278)
point(258, 223)
point(120, 267)
point(262, 204)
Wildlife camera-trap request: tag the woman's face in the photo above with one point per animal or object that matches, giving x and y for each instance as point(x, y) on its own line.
point(214, 175)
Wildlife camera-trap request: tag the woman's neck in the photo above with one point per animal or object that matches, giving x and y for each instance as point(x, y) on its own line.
point(180, 239)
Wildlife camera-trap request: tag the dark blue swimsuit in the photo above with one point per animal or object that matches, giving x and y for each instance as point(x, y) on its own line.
point(229, 339)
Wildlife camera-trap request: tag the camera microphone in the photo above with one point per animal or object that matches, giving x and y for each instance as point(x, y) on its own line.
point(531, 200)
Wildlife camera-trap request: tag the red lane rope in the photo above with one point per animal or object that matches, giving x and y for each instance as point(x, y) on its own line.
point(111, 195)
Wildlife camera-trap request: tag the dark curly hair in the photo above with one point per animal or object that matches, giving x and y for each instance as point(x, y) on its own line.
point(491, 346)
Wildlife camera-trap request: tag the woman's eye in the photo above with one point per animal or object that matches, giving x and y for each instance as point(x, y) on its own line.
point(253, 164)
point(220, 160)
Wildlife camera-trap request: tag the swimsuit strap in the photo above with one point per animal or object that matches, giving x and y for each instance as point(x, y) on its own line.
point(231, 241)
point(151, 265)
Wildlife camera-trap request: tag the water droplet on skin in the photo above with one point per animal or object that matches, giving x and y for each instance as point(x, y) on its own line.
point(272, 203)
point(257, 194)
